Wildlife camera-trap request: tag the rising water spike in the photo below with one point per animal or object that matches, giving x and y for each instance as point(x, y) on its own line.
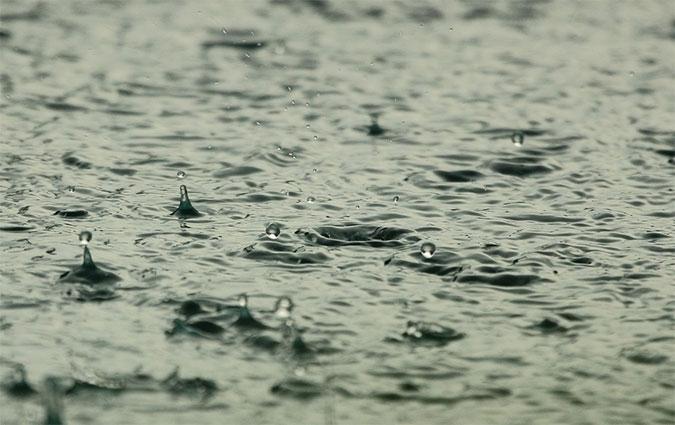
point(185, 208)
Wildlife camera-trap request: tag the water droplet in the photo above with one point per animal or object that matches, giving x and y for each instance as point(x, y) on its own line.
point(224, 30)
point(316, 138)
point(428, 249)
point(315, 170)
point(181, 174)
point(396, 198)
point(85, 237)
point(517, 138)
point(307, 125)
point(289, 88)
point(283, 307)
point(273, 231)
point(243, 301)
point(310, 199)
point(71, 189)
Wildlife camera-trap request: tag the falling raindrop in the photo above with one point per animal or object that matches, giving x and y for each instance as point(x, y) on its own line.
point(85, 237)
point(283, 308)
point(243, 301)
point(311, 199)
point(181, 175)
point(428, 250)
point(396, 198)
point(273, 231)
point(517, 138)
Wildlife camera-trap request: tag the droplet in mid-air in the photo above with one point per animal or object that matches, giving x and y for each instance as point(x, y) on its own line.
point(428, 250)
point(396, 198)
point(283, 307)
point(85, 237)
point(181, 175)
point(242, 300)
point(311, 199)
point(517, 138)
point(273, 231)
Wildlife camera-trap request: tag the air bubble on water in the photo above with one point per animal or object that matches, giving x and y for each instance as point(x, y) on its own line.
point(311, 199)
point(242, 300)
point(181, 175)
point(283, 307)
point(85, 237)
point(273, 231)
point(396, 198)
point(428, 250)
point(517, 138)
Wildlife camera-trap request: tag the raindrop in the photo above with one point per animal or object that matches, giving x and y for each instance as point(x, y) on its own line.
point(181, 174)
point(71, 189)
point(292, 102)
point(85, 237)
point(315, 170)
point(517, 138)
point(283, 308)
point(307, 125)
point(316, 138)
point(224, 30)
point(396, 198)
point(428, 249)
point(243, 301)
point(273, 231)
point(311, 199)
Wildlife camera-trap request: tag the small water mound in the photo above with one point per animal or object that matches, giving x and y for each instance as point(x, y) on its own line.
point(356, 234)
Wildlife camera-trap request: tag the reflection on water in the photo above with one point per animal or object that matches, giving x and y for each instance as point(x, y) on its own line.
point(403, 212)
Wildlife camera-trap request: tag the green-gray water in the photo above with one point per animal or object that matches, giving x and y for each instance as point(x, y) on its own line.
point(531, 142)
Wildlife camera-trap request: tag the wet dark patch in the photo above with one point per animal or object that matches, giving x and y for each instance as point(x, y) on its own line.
point(73, 161)
point(237, 171)
point(460, 176)
point(16, 228)
point(297, 388)
point(519, 167)
point(71, 213)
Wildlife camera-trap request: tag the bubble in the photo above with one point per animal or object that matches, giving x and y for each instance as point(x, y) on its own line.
point(311, 199)
point(273, 231)
point(428, 250)
point(242, 300)
point(181, 175)
point(85, 237)
point(396, 198)
point(283, 307)
point(517, 138)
